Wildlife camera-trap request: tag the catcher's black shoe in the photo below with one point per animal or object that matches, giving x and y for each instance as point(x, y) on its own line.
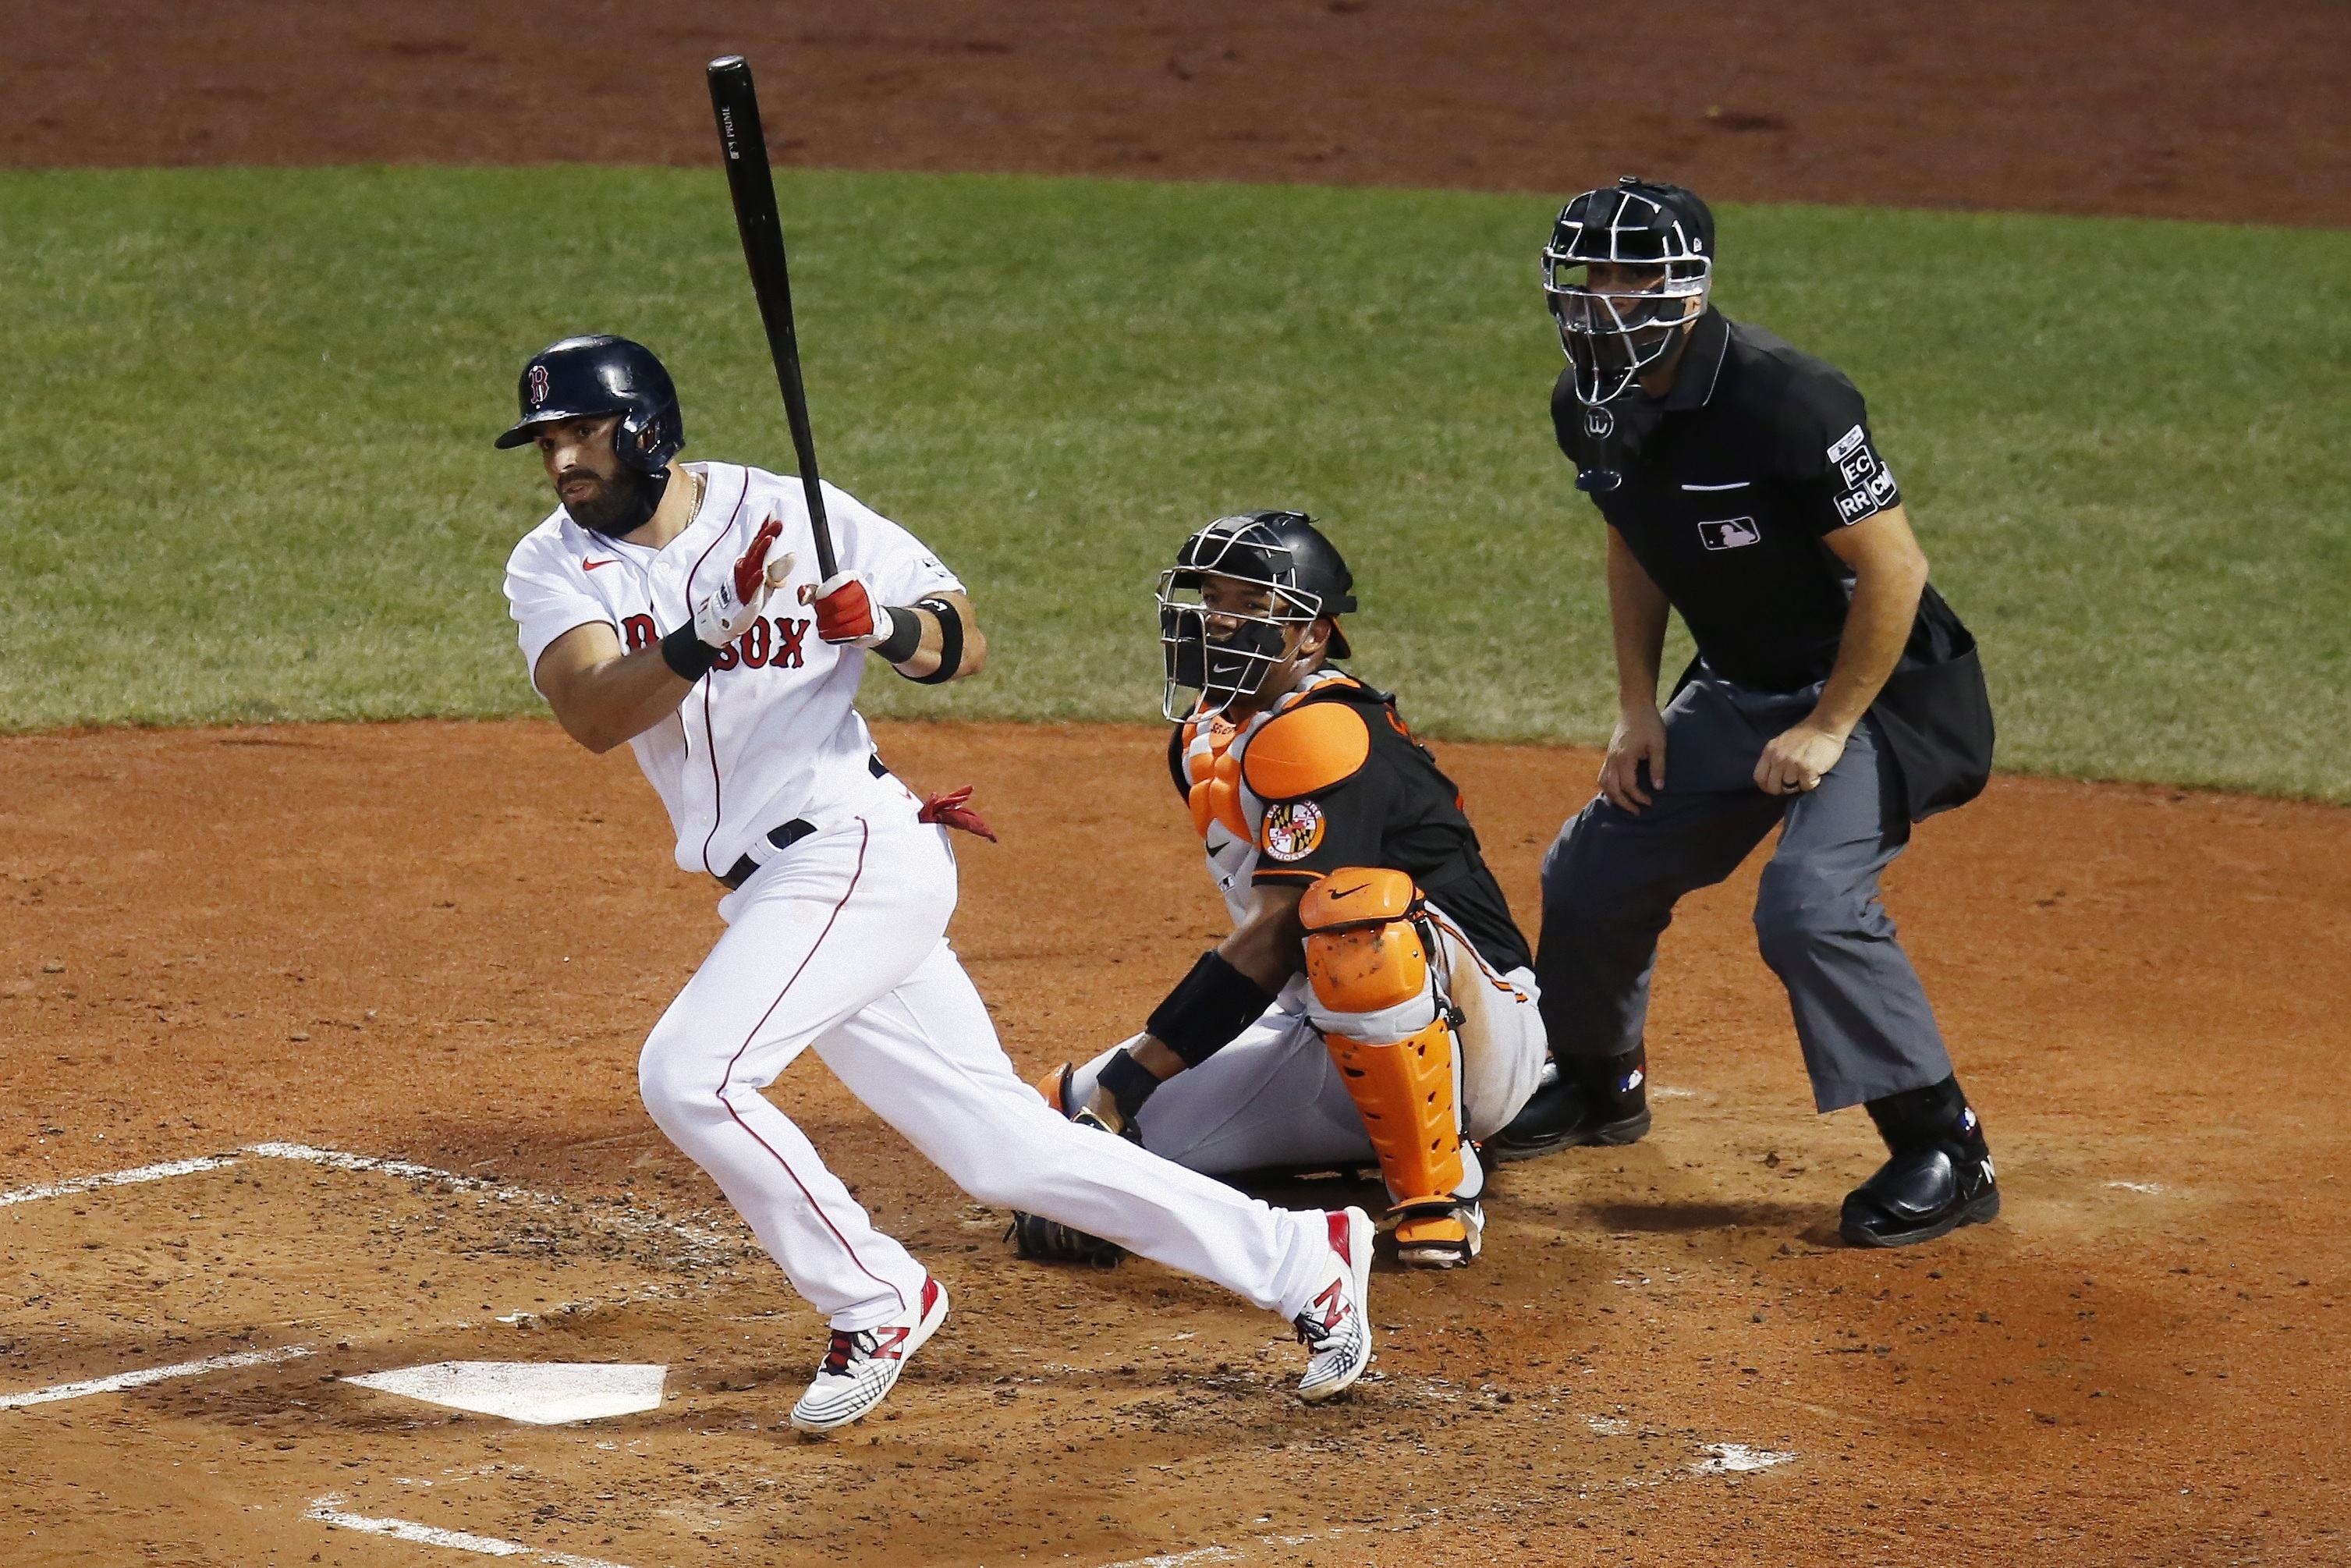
point(1603, 1102)
point(1938, 1178)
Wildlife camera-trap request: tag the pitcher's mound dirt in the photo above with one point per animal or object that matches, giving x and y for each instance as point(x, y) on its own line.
point(444, 942)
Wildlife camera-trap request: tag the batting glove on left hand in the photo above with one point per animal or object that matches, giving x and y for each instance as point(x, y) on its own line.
point(727, 613)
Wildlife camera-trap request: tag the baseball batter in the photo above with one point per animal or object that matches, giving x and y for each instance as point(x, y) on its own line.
point(1375, 1000)
point(671, 606)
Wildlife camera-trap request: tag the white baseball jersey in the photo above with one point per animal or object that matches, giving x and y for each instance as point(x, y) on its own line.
point(772, 732)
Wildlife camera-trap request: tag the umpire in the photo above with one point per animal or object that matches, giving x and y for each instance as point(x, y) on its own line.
point(1835, 696)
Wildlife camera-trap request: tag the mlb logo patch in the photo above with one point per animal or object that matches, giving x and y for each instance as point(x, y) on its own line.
point(1730, 533)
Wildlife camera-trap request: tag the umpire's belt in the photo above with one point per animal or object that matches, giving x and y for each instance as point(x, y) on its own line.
point(786, 836)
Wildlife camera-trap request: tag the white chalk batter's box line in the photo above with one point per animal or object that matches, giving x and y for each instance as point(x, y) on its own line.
point(627, 1218)
point(329, 1510)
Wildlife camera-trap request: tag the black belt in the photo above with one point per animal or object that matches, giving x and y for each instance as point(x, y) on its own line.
point(785, 837)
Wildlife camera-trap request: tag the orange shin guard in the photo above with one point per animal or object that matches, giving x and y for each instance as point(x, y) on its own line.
point(1405, 1094)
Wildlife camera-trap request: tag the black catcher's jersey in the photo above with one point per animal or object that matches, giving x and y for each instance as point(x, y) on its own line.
point(1731, 485)
point(1344, 783)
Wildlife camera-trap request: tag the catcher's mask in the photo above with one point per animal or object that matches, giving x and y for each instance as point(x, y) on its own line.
point(1612, 332)
point(1224, 653)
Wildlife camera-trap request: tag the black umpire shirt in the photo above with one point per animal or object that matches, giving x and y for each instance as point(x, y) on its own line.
point(1731, 487)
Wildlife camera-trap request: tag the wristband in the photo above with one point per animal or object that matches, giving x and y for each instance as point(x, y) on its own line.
point(905, 636)
point(950, 642)
point(686, 655)
point(1129, 1083)
point(1207, 1009)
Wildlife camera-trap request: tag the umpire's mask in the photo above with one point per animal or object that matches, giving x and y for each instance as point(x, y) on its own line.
point(1655, 245)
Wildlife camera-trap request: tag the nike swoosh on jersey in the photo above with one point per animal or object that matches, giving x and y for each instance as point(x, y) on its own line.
point(592, 565)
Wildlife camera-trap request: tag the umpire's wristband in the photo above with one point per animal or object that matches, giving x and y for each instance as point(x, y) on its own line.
point(685, 652)
point(1207, 1009)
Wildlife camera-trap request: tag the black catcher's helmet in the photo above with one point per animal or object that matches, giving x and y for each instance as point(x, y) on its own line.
point(1612, 335)
point(1282, 552)
point(601, 374)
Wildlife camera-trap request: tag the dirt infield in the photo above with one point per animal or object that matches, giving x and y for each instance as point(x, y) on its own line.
point(250, 965)
point(2227, 109)
point(443, 942)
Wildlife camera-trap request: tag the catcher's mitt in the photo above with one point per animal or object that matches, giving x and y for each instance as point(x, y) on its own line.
point(1052, 1241)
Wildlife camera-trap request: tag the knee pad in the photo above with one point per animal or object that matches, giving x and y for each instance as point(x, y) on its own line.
point(1366, 955)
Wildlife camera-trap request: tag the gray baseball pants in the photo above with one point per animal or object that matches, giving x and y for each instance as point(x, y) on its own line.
point(1612, 878)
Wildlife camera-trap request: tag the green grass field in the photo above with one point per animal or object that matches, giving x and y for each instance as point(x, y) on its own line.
point(245, 465)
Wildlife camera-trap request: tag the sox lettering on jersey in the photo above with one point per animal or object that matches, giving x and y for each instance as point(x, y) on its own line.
point(773, 644)
point(777, 643)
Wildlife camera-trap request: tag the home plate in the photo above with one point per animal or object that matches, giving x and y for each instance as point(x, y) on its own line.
point(543, 1393)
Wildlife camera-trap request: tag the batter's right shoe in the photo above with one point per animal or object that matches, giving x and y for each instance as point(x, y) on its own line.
point(1938, 1178)
point(862, 1366)
point(1334, 1327)
point(1603, 1101)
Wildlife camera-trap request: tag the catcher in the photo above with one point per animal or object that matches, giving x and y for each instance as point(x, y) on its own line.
point(1376, 1000)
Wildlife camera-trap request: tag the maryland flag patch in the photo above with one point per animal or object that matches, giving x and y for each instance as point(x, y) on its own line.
point(1293, 830)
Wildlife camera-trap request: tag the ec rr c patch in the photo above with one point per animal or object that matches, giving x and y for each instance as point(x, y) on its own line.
point(1863, 484)
point(1292, 831)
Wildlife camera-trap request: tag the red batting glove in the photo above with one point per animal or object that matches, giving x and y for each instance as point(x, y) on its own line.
point(751, 566)
point(726, 611)
point(949, 811)
point(844, 611)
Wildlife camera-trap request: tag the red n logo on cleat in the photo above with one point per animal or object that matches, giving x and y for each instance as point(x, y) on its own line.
point(1328, 1302)
point(886, 1343)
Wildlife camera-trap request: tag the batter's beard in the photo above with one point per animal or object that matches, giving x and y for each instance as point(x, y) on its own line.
point(620, 505)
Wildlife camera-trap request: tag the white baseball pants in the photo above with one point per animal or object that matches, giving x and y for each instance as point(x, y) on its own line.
point(840, 943)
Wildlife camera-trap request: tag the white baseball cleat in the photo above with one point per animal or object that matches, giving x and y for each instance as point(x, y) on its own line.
point(864, 1365)
point(1333, 1326)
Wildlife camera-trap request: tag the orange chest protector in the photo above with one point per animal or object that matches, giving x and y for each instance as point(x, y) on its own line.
point(1212, 766)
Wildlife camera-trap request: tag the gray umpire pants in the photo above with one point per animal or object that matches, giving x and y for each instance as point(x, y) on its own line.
point(1612, 878)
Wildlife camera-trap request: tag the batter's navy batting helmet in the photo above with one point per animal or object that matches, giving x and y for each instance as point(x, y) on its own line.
point(1282, 552)
point(601, 374)
point(1612, 334)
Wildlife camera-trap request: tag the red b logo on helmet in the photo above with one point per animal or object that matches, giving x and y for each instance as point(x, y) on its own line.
point(537, 386)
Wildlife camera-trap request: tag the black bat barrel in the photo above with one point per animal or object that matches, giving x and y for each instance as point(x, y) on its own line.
point(750, 181)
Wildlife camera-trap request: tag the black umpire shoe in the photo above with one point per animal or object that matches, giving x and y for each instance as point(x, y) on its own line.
point(1938, 1178)
point(1603, 1102)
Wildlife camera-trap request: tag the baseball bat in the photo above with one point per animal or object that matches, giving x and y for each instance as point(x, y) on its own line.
point(753, 187)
